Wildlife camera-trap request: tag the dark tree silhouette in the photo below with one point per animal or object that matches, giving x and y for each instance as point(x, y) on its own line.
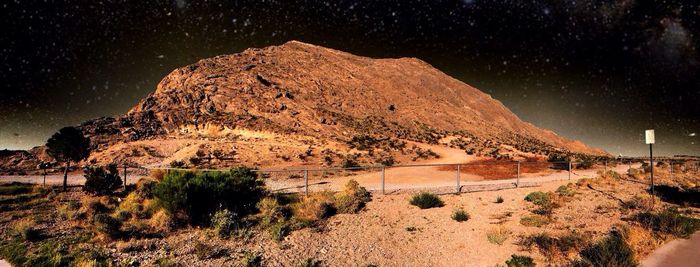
point(67, 145)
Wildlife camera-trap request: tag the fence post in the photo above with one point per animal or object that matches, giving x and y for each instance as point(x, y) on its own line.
point(306, 181)
point(383, 192)
point(569, 170)
point(517, 179)
point(44, 168)
point(671, 171)
point(605, 169)
point(459, 189)
point(124, 176)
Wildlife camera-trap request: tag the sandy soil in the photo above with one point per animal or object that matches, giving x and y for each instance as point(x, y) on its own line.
point(678, 253)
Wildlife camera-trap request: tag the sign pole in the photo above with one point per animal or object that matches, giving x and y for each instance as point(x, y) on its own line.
point(650, 140)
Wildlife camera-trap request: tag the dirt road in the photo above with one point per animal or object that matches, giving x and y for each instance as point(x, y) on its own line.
point(678, 253)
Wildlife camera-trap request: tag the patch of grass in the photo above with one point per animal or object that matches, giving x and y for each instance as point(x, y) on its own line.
point(107, 225)
point(520, 261)
point(499, 200)
point(223, 221)
point(426, 200)
point(498, 235)
point(252, 260)
point(26, 229)
point(15, 189)
point(14, 252)
point(611, 251)
point(460, 215)
point(535, 220)
point(669, 222)
point(635, 203)
point(352, 199)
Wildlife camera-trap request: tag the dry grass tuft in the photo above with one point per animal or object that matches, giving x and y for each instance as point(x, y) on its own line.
point(498, 235)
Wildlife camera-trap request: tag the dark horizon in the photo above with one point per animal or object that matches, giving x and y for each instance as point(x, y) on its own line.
point(597, 72)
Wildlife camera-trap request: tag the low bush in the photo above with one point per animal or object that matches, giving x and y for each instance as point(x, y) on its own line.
point(520, 261)
point(566, 190)
point(552, 246)
point(162, 221)
point(426, 200)
point(460, 215)
point(14, 252)
point(352, 199)
point(499, 200)
point(611, 174)
point(315, 207)
point(498, 235)
point(669, 222)
point(26, 229)
point(199, 194)
point(611, 251)
point(223, 221)
point(101, 181)
point(145, 188)
point(68, 210)
point(107, 225)
point(636, 202)
point(538, 197)
point(535, 220)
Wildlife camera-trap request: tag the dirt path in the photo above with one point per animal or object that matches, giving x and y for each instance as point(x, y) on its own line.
point(678, 253)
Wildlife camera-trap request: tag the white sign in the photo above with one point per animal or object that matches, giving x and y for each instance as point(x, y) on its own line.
point(649, 136)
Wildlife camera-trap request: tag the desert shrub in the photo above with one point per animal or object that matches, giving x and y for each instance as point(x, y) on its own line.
point(566, 190)
point(199, 194)
point(520, 261)
point(669, 222)
point(426, 200)
point(411, 229)
point(132, 205)
point(535, 220)
point(26, 229)
point(223, 221)
point(177, 164)
point(350, 163)
point(537, 197)
point(499, 199)
point(498, 235)
point(310, 263)
point(460, 215)
point(636, 202)
point(271, 212)
point(551, 246)
point(89, 206)
point(278, 231)
point(161, 221)
point(352, 199)
point(251, 260)
point(145, 188)
point(68, 210)
point(611, 251)
point(611, 174)
point(315, 207)
point(107, 225)
point(101, 181)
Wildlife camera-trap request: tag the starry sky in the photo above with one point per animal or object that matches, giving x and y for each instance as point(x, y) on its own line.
point(597, 71)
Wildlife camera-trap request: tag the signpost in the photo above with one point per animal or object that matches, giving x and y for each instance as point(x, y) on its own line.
point(649, 138)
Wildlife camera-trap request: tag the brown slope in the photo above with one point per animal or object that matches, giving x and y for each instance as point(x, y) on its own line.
point(312, 90)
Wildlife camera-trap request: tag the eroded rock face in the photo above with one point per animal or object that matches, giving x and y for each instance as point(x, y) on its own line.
point(306, 90)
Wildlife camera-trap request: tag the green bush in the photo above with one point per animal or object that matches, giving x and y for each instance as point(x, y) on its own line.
point(107, 225)
point(199, 194)
point(100, 181)
point(426, 200)
point(538, 198)
point(566, 190)
point(223, 222)
point(460, 215)
point(499, 200)
point(669, 222)
point(520, 261)
point(611, 251)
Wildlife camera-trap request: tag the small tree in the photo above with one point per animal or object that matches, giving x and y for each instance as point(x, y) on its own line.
point(67, 145)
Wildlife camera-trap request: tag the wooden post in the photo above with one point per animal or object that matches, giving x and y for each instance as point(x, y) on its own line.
point(124, 176)
point(459, 189)
point(383, 192)
point(569, 170)
point(44, 168)
point(651, 167)
point(605, 169)
point(517, 179)
point(306, 181)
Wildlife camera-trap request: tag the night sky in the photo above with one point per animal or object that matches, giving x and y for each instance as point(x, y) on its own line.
point(598, 71)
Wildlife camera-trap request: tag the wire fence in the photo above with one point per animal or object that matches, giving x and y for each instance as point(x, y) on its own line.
point(438, 177)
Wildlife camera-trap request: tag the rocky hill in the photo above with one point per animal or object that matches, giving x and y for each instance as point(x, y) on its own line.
point(301, 103)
